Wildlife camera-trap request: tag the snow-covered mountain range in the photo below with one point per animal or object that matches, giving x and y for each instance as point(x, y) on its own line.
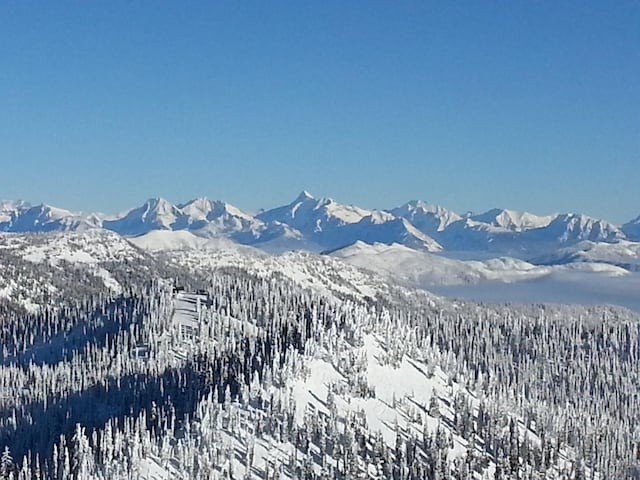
point(323, 224)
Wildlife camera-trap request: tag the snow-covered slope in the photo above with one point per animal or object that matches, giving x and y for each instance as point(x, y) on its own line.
point(154, 214)
point(409, 267)
point(311, 215)
point(92, 246)
point(45, 218)
point(9, 209)
point(382, 227)
point(216, 217)
point(186, 241)
point(320, 273)
point(512, 220)
point(426, 217)
point(331, 225)
point(37, 268)
point(257, 378)
point(632, 229)
point(623, 254)
point(412, 268)
point(571, 227)
point(524, 235)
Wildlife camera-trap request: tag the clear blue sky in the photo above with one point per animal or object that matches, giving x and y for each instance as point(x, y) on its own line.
point(531, 105)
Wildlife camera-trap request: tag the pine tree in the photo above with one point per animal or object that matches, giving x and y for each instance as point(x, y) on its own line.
point(6, 463)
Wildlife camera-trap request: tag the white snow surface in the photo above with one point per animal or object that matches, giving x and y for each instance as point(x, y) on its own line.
point(501, 279)
point(513, 220)
point(181, 240)
point(410, 384)
point(425, 216)
point(422, 269)
point(307, 212)
point(88, 248)
point(623, 253)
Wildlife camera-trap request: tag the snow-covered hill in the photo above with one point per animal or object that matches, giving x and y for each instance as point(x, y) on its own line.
point(413, 268)
point(624, 254)
point(409, 267)
point(318, 273)
point(91, 246)
point(38, 268)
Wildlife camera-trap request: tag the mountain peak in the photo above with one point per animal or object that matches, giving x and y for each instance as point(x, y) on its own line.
point(427, 217)
point(420, 204)
point(156, 201)
point(159, 206)
point(513, 220)
point(632, 229)
point(304, 195)
point(200, 201)
point(46, 218)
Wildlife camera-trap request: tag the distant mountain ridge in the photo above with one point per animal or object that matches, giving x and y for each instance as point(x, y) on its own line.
point(632, 229)
point(316, 224)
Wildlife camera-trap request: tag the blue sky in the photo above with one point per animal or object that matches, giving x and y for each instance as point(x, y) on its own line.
point(472, 105)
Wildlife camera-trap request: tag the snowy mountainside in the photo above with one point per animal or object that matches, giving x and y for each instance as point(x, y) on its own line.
point(186, 242)
point(90, 246)
point(40, 268)
point(45, 218)
point(367, 270)
point(382, 228)
point(408, 267)
point(318, 273)
point(154, 214)
point(608, 275)
point(9, 209)
point(512, 220)
point(570, 228)
point(214, 218)
point(79, 248)
point(426, 217)
point(330, 224)
point(311, 215)
point(182, 240)
point(632, 229)
point(624, 254)
point(527, 236)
